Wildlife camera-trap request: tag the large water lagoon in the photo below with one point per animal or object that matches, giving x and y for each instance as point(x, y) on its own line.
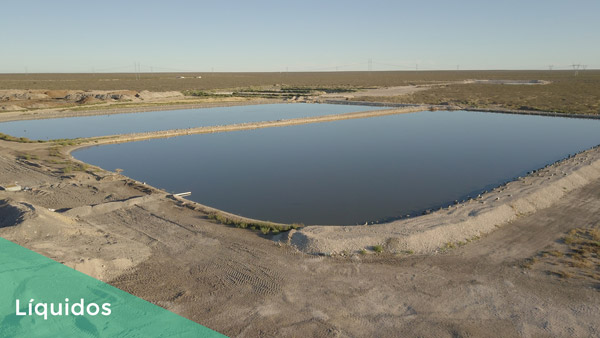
point(112, 124)
point(350, 171)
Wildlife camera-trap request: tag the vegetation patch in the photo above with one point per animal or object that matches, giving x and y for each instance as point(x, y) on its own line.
point(70, 167)
point(9, 138)
point(265, 228)
point(280, 92)
point(448, 246)
point(529, 262)
point(26, 156)
point(203, 93)
point(378, 248)
point(55, 151)
point(578, 256)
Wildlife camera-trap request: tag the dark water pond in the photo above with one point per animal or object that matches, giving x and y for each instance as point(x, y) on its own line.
point(100, 125)
point(352, 171)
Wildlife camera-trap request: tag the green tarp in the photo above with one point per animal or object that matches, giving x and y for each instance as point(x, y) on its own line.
point(26, 275)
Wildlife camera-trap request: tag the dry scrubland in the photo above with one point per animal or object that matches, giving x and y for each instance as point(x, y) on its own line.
point(535, 273)
point(169, 81)
point(565, 92)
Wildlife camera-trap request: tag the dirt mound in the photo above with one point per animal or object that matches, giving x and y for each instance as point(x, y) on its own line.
point(57, 94)
point(44, 99)
point(126, 92)
point(89, 100)
point(12, 213)
point(146, 95)
point(37, 105)
point(11, 107)
point(14, 95)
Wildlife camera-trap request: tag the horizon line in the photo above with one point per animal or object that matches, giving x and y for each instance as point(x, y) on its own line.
point(312, 71)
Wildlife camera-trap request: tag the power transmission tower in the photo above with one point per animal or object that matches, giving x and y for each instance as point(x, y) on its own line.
point(137, 68)
point(416, 66)
point(576, 68)
point(550, 67)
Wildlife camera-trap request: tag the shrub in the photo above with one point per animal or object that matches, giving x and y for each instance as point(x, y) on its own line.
point(9, 138)
point(264, 227)
point(54, 151)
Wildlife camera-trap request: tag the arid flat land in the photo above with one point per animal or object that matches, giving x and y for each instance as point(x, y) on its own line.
point(531, 270)
point(558, 90)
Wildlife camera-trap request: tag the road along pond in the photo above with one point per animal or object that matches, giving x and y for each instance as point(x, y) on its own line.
point(350, 171)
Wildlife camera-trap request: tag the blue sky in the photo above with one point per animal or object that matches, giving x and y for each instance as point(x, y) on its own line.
point(110, 36)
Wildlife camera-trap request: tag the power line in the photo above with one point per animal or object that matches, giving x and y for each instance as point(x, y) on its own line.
point(113, 68)
point(136, 70)
point(370, 64)
point(391, 65)
point(334, 67)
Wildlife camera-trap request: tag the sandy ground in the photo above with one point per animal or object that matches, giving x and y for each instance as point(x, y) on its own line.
point(410, 89)
point(20, 99)
point(241, 283)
